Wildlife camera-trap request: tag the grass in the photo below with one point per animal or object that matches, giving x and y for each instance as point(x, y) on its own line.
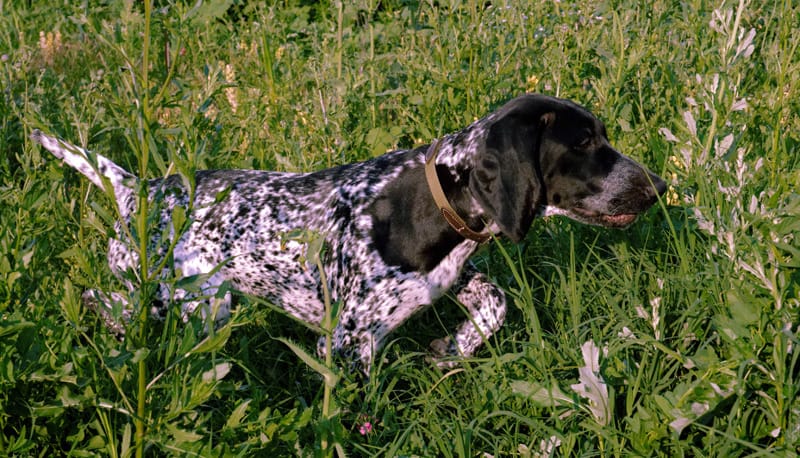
point(675, 337)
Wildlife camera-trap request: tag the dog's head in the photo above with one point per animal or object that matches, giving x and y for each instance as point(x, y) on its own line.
point(546, 156)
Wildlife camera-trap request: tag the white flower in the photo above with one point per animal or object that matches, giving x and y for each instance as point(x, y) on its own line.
point(699, 408)
point(679, 423)
point(655, 316)
point(720, 20)
point(739, 105)
point(714, 85)
point(720, 391)
point(722, 146)
point(592, 386)
point(746, 47)
point(705, 225)
point(690, 123)
point(667, 134)
point(686, 154)
point(547, 447)
point(626, 333)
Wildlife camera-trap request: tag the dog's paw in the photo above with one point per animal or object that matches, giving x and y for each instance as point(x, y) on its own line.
point(443, 353)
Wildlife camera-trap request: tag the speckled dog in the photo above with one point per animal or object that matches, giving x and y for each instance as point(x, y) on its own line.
point(399, 228)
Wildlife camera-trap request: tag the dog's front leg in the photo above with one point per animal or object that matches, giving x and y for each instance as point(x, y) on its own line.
point(486, 304)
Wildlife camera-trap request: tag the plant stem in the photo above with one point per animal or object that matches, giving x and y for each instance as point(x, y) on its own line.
point(141, 407)
point(327, 390)
point(339, 36)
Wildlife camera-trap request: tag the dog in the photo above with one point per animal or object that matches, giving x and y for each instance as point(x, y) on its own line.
point(399, 229)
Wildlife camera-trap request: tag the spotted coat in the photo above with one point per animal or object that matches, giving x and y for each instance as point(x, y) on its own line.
point(389, 251)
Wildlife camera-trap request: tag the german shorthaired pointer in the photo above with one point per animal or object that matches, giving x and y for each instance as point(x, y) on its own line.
point(399, 228)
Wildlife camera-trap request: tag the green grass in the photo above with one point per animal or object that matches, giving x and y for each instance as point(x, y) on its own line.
point(692, 311)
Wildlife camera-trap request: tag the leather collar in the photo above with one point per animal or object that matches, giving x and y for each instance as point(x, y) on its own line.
point(448, 213)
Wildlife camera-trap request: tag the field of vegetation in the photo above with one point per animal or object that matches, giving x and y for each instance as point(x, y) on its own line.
point(674, 337)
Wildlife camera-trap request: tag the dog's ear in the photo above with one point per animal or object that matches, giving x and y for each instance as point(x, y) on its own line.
point(505, 190)
point(504, 179)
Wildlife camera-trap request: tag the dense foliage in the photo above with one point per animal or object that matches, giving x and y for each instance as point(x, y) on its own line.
point(675, 337)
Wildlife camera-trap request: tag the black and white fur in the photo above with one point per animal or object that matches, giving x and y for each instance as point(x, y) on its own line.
point(389, 251)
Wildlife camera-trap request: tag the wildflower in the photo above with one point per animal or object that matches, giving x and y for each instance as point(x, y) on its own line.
point(690, 123)
point(302, 116)
point(230, 92)
point(626, 333)
point(245, 144)
point(50, 45)
point(547, 447)
point(166, 116)
point(739, 105)
point(720, 20)
point(673, 199)
point(279, 52)
point(668, 135)
point(365, 428)
point(746, 47)
point(531, 83)
point(699, 408)
point(688, 335)
point(211, 112)
point(653, 316)
point(722, 146)
point(366, 424)
point(722, 393)
point(42, 40)
point(592, 386)
point(679, 424)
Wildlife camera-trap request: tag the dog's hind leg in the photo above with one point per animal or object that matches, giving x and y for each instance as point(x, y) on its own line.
point(214, 308)
point(116, 310)
point(113, 308)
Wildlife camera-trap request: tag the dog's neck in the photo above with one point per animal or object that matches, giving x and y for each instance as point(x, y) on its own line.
point(454, 161)
point(450, 215)
point(459, 149)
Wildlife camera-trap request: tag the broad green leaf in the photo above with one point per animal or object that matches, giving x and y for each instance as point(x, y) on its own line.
point(205, 12)
point(236, 416)
point(330, 377)
point(744, 308)
point(540, 394)
point(13, 327)
point(213, 342)
point(140, 355)
point(181, 435)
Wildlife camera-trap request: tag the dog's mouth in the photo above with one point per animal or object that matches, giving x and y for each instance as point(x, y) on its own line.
point(619, 220)
point(599, 219)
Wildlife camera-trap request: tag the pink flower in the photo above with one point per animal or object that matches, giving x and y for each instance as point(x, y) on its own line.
point(365, 428)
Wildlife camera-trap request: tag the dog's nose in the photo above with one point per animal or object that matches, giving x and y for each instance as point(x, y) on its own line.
point(659, 184)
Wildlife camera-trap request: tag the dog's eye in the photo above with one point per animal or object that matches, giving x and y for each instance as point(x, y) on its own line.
point(585, 142)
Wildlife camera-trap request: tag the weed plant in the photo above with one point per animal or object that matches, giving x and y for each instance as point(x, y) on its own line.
point(674, 337)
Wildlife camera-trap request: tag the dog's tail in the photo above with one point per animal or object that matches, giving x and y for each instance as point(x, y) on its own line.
point(92, 165)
